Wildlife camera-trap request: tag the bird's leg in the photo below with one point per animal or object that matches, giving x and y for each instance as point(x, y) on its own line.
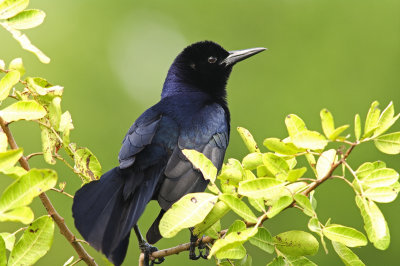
point(201, 246)
point(146, 249)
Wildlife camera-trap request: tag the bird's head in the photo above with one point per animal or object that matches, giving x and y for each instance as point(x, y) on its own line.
point(204, 66)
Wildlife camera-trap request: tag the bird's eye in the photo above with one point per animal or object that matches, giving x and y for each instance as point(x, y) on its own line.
point(212, 59)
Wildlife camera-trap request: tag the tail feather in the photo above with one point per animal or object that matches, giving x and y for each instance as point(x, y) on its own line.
point(153, 235)
point(104, 213)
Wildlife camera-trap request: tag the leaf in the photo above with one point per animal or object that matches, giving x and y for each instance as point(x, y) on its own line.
point(252, 160)
point(278, 261)
point(296, 187)
point(346, 255)
point(248, 139)
point(214, 230)
point(295, 174)
point(294, 125)
point(304, 203)
point(218, 211)
point(69, 261)
point(38, 85)
point(27, 19)
point(381, 194)
point(54, 110)
point(9, 240)
point(27, 110)
point(260, 187)
point(367, 168)
point(66, 126)
point(345, 235)
point(335, 134)
point(239, 207)
point(17, 64)
point(20, 214)
point(246, 261)
point(258, 204)
point(3, 254)
point(232, 170)
point(187, 212)
point(9, 158)
point(299, 261)
point(263, 240)
point(24, 41)
point(309, 140)
point(328, 124)
point(262, 171)
point(374, 223)
point(371, 122)
point(14, 172)
point(389, 143)
point(236, 226)
point(281, 147)
point(325, 162)
point(357, 126)
point(202, 163)
point(9, 8)
point(235, 252)
point(276, 165)
point(87, 164)
point(386, 120)
point(49, 143)
point(34, 243)
point(314, 226)
point(296, 243)
point(7, 82)
point(222, 246)
point(23, 190)
point(279, 205)
point(381, 178)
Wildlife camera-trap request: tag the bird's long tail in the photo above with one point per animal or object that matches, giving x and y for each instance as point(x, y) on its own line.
point(105, 210)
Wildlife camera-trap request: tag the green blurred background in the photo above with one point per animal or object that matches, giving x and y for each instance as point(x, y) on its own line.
point(112, 58)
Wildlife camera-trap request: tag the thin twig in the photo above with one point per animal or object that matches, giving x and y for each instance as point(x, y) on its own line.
point(75, 262)
point(33, 154)
point(64, 230)
point(62, 192)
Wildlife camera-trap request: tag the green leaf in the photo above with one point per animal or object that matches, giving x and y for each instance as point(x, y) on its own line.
point(294, 125)
point(23, 190)
point(309, 140)
point(7, 82)
point(246, 261)
point(381, 194)
point(278, 261)
point(262, 171)
point(345, 235)
point(9, 8)
point(252, 160)
point(328, 124)
point(17, 64)
point(295, 174)
point(367, 168)
point(49, 143)
point(66, 126)
point(296, 187)
point(386, 120)
point(232, 170)
point(38, 85)
point(239, 207)
point(260, 187)
point(87, 164)
point(299, 261)
point(9, 240)
point(296, 243)
point(219, 210)
point(248, 139)
point(34, 243)
point(381, 178)
point(24, 41)
point(222, 246)
point(214, 230)
point(304, 202)
point(258, 204)
point(263, 240)
point(374, 223)
point(27, 19)
point(276, 165)
point(325, 162)
point(20, 214)
point(371, 122)
point(279, 205)
point(27, 110)
point(279, 146)
point(202, 163)
point(9, 158)
point(357, 126)
point(235, 252)
point(55, 113)
point(389, 143)
point(187, 212)
point(236, 226)
point(3, 254)
point(14, 172)
point(346, 255)
point(314, 226)
point(335, 134)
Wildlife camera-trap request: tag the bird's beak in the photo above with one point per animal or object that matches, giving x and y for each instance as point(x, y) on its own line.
point(239, 55)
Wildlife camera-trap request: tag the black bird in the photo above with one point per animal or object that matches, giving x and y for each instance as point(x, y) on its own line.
point(192, 114)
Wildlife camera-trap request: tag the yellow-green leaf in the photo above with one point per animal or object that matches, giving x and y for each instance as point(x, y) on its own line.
point(263, 240)
point(87, 164)
point(325, 162)
point(7, 82)
point(328, 124)
point(17, 64)
point(218, 211)
point(27, 110)
point(202, 163)
point(389, 143)
point(381, 178)
point(248, 139)
point(9, 240)
point(296, 243)
point(345, 235)
point(20, 214)
point(9, 8)
point(239, 207)
point(381, 194)
point(260, 187)
point(276, 165)
point(252, 160)
point(279, 205)
point(9, 158)
point(309, 140)
point(281, 147)
point(27, 19)
point(371, 122)
point(346, 255)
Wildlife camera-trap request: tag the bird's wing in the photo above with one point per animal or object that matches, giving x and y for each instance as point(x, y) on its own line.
point(139, 135)
point(208, 135)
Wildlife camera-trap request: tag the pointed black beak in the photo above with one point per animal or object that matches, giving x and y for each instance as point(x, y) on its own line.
point(239, 55)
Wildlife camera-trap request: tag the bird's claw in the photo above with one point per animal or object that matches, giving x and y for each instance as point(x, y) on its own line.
point(147, 250)
point(202, 246)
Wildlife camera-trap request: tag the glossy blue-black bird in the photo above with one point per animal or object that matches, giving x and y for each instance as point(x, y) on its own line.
point(192, 114)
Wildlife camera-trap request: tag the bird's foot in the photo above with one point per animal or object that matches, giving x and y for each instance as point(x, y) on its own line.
point(147, 250)
point(202, 248)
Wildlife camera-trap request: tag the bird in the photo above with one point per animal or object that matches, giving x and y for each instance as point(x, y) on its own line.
point(192, 114)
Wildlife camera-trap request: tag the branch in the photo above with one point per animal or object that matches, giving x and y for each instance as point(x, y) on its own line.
point(64, 230)
point(263, 218)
